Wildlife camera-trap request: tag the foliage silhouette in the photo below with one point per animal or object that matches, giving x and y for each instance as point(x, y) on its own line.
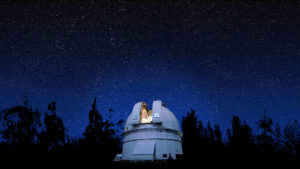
point(240, 137)
point(99, 136)
point(199, 138)
point(265, 139)
point(22, 131)
point(53, 137)
point(20, 128)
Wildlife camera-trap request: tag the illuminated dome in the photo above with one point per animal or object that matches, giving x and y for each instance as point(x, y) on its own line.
point(151, 134)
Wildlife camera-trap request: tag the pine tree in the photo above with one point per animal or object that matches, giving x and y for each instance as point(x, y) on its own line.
point(190, 130)
point(99, 136)
point(265, 140)
point(52, 138)
point(210, 130)
point(200, 129)
point(218, 133)
point(292, 139)
point(240, 137)
point(279, 143)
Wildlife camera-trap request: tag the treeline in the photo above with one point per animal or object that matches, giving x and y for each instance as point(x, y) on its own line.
point(26, 130)
point(271, 143)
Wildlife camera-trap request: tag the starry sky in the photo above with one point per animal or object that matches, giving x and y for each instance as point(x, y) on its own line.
point(220, 58)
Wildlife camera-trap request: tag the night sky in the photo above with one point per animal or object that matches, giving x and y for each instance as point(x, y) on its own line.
point(222, 59)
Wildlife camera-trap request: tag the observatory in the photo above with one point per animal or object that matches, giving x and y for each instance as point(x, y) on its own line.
point(151, 134)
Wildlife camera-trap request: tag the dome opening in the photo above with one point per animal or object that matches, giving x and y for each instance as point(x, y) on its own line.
point(145, 114)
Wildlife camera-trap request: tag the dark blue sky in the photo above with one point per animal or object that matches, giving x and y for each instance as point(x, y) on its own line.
point(222, 59)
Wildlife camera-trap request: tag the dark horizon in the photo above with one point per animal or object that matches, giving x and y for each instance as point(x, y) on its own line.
point(220, 58)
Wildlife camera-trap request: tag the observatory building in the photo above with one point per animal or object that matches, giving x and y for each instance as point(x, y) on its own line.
point(151, 134)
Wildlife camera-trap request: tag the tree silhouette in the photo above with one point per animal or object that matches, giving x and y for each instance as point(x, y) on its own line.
point(210, 131)
point(218, 133)
point(20, 128)
point(278, 140)
point(265, 139)
point(190, 129)
point(201, 130)
point(207, 141)
point(99, 136)
point(52, 138)
point(240, 137)
point(292, 138)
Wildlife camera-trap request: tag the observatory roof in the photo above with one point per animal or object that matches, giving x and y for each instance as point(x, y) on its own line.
point(159, 114)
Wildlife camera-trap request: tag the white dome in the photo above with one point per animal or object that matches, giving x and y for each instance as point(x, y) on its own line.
point(151, 134)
